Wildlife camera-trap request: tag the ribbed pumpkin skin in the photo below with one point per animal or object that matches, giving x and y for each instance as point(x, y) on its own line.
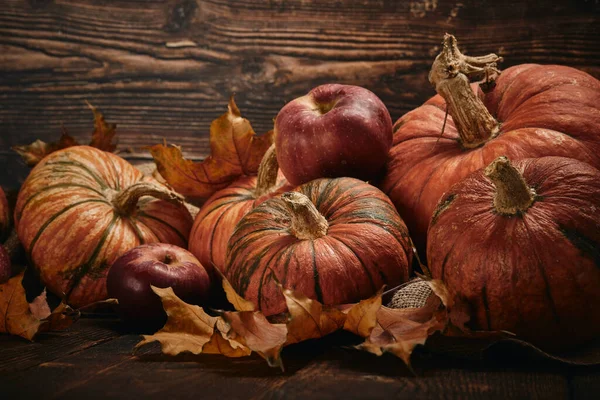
point(4, 216)
point(70, 229)
point(536, 274)
point(544, 111)
point(217, 218)
point(366, 246)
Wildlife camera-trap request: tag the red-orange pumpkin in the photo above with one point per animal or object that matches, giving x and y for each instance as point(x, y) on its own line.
point(4, 216)
point(81, 208)
point(217, 218)
point(333, 240)
point(533, 111)
point(522, 246)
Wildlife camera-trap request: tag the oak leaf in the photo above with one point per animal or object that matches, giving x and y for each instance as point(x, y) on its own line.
point(235, 151)
point(102, 138)
point(28, 319)
point(310, 319)
point(188, 329)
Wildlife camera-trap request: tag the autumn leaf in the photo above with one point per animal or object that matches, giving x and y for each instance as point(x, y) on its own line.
point(253, 330)
point(362, 317)
point(237, 301)
point(309, 319)
point(102, 137)
point(235, 151)
point(222, 343)
point(399, 331)
point(28, 319)
point(188, 329)
point(104, 132)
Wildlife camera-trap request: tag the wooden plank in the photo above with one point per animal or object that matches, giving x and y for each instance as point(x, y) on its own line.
point(17, 354)
point(584, 384)
point(166, 68)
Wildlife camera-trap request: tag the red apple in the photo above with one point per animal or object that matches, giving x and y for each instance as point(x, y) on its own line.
point(335, 130)
point(161, 265)
point(4, 216)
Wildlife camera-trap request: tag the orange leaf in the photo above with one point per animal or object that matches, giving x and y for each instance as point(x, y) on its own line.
point(399, 331)
point(101, 138)
point(24, 319)
point(362, 317)
point(235, 151)
point(188, 327)
point(309, 319)
point(103, 132)
point(237, 301)
point(254, 331)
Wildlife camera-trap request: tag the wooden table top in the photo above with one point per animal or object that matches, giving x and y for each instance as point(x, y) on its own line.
point(95, 359)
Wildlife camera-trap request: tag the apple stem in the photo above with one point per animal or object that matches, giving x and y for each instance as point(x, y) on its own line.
point(513, 195)
point(125, 202)
point(307, 222)
point(267, 173)
point(451, 74)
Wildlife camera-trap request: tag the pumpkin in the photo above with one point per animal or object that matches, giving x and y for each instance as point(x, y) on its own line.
point(81, 208)
point(521, 244)
point(217, 218)
point(532, 111)
point(333, 240)
point(4, 216)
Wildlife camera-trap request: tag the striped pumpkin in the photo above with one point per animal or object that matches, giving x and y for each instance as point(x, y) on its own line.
point(217, 218)
point(333, 240)
point(81, 208)
point(4, 216)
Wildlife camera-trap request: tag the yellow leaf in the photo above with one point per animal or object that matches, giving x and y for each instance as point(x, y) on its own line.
point(309, 319)
point(235, 151)
point(362, 317)
point(237, 301)
point(103, 132)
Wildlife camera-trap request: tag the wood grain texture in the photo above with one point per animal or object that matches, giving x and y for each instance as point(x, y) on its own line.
point(166, 68)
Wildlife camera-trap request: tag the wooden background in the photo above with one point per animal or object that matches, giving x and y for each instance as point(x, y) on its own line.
point(166, 68)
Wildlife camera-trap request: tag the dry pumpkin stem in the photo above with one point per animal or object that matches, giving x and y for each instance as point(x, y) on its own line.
point(513, 195)
point(126, 201)
point(307, 222)
point(267, 173)
point(451, 74)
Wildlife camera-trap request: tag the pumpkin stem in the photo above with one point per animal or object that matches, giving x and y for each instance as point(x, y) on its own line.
point(125, 202)
point(450, 75)
point(513, 195)
point(267, 172)
point(307, 221)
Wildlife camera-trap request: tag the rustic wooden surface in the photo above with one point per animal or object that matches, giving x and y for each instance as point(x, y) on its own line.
point(94, 359)
point(166, 68)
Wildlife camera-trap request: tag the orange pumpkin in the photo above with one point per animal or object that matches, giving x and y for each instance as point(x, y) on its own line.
point(81, 208)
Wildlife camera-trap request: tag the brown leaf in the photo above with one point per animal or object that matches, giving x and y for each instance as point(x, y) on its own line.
point(362, 317)
point(28, 319)
point(190, 329)
point(309, 319)
point(253, 330)
point(104, 132)
point(399, 331)
point(235, 151)
point(102, 137)
point(237, 301)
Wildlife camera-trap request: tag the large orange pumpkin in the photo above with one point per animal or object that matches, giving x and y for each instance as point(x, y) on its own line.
point(533, 111)
point(81, 208)
point(521, 244)
point(333, 240)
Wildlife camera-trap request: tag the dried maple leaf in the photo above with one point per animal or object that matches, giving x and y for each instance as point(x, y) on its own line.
point(104, 132)
point(309, 319)
point(188, 327)
point(102, 137)
point(253, 330)
point(235, 151)
point(237, 301)
point(399, 331)
point(361, 318)
point(28, 319)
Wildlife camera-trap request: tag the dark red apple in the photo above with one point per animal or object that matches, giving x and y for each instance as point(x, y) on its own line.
point(4, 216)
point(161, 265)
point(335, 130)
